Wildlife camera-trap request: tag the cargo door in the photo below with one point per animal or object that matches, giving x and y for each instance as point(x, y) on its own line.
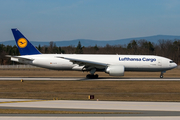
point(159, 62)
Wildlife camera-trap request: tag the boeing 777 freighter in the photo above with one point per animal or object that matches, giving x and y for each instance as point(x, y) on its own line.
point(114, 65)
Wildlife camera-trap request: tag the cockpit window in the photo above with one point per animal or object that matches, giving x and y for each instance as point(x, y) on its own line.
point(171, 62)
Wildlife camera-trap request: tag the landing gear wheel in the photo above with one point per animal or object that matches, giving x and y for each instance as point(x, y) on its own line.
point(91, 76)
point(88, 76)
point(96, 76)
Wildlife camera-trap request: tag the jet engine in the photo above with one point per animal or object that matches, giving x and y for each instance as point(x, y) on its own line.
point(115, 70)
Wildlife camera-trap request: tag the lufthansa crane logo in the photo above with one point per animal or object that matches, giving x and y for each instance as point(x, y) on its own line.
point(22, 42)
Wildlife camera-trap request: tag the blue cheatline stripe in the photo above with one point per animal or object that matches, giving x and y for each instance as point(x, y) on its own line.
point(24, 46)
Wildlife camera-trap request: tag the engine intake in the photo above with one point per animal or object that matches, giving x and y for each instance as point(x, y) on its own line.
point(115, 70)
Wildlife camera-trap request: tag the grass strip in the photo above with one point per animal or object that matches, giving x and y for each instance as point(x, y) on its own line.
point(16, 111)
point(102, 90)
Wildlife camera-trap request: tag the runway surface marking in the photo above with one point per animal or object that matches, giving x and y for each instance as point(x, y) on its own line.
point(87, 118)
point(11, 100)
point(19, 100)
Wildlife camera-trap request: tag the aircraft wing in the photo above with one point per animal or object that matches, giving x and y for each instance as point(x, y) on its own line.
point(86, 63)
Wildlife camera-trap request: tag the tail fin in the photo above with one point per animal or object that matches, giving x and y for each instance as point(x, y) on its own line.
point(24, 46)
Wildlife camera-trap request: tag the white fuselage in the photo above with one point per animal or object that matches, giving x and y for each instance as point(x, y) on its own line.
point(130, 62)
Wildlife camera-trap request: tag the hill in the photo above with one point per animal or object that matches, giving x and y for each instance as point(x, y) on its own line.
point(86, 42)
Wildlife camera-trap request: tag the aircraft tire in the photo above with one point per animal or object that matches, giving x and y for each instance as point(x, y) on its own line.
point(89, 76)
point(96, 76)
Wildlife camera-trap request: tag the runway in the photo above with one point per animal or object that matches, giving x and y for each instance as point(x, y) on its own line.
point(120, 109)
point(81, 79)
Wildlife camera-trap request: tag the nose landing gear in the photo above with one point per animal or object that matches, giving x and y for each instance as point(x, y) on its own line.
point(161, 75)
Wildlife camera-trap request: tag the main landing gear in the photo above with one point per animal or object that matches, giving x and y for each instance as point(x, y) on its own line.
point(161, 75)
point(91, 75)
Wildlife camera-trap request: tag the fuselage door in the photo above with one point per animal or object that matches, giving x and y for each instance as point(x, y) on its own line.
point(159, 62)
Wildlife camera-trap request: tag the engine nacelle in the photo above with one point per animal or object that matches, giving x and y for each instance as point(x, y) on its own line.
point(115, 70)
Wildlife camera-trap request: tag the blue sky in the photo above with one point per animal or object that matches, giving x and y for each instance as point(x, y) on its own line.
point(57, 20)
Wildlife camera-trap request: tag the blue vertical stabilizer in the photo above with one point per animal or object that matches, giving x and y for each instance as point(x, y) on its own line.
point(24, 46)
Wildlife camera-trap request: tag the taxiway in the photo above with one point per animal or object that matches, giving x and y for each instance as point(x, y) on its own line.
point(157, 110)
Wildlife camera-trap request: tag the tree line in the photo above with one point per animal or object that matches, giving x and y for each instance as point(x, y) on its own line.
point(165, 48)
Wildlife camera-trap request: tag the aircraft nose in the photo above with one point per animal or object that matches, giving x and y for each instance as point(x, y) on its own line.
point(172, 64)
point(175, 65)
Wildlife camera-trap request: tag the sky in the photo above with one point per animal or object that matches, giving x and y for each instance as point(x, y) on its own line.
point(60, 20)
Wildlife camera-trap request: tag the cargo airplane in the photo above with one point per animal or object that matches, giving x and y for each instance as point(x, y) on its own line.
point(114, 65)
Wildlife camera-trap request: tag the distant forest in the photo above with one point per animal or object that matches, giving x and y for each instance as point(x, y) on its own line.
point(165, 48)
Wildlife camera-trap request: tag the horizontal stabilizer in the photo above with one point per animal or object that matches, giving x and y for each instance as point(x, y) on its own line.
point(19, 57)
